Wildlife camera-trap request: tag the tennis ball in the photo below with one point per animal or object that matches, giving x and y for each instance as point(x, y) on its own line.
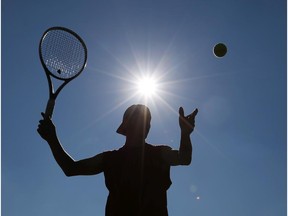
point(220, 50)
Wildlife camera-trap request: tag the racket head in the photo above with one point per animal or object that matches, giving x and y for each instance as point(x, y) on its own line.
point(63, 53)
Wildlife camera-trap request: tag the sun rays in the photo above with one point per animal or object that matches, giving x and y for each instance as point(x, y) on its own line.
point(147, 86)
point(147, 75)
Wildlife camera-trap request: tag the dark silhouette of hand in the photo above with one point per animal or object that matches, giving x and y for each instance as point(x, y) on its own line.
point(187, 123)
point(46, 128)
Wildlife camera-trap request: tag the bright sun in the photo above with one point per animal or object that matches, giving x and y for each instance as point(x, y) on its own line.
point(147, 86)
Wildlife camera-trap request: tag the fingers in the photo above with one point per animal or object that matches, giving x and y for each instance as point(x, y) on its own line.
point(42, 122)
point(187, 123)
point(39, 128)
point(45, 116)
point(194, 113)
point(181, 111)
point(46, 128)
point(189, 118)
point(40, 125)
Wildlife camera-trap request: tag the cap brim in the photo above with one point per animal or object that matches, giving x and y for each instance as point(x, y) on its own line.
point(121, 129)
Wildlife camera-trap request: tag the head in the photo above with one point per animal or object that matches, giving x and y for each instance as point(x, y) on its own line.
point(136, 121)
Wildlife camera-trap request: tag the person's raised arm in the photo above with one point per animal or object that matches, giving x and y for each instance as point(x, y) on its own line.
point(183, 156)
point(187, 124)
point(70, 167)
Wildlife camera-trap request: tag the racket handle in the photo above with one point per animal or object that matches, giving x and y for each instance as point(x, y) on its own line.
point(49, 108)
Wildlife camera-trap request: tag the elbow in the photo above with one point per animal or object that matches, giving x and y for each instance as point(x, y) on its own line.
point(69, 168)
point(186, 161)
point(69, 172)
point(185, 157)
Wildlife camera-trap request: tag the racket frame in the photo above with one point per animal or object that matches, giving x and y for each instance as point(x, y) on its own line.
point(53, 94)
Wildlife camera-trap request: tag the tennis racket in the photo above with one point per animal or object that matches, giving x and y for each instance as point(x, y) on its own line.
point(63, 55)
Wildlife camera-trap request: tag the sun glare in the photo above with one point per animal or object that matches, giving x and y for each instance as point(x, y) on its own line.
point(147, 86)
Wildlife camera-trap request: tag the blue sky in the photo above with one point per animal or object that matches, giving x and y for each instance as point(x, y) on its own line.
point(239, 145)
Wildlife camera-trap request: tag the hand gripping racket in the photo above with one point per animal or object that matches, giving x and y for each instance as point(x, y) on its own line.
point(63, 55)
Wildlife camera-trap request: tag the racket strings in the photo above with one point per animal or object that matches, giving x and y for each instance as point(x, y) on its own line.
point(63, 54)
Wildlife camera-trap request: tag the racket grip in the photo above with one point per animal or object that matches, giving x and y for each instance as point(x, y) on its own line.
point(49, 108)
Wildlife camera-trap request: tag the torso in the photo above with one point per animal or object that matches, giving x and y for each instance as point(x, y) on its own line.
point(137, 180)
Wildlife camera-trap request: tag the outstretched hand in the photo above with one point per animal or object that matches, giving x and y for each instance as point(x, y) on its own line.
point(187, 123)
point(46, 128)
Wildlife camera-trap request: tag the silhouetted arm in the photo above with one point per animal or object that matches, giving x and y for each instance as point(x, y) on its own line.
point(183, 156)
point(70, 167)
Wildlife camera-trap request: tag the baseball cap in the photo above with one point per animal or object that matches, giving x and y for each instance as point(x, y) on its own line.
point(133, 115)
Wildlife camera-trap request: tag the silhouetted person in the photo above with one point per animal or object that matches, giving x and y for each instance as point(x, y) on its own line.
point(138, 174)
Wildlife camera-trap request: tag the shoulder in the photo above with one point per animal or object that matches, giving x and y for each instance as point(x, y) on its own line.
point(158, 148)
point(109, 155)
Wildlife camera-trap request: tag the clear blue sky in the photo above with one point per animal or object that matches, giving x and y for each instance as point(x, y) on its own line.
point(239, 158)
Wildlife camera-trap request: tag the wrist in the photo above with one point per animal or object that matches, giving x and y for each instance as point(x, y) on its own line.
point(52, 140)
point(185, 133)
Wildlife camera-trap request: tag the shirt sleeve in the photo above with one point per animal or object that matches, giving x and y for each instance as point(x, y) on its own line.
point(169, 156)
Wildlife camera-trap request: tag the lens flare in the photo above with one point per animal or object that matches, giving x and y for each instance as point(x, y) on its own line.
point(147, 86)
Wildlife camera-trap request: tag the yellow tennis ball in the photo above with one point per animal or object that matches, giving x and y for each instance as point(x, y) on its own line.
point(220, 50)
